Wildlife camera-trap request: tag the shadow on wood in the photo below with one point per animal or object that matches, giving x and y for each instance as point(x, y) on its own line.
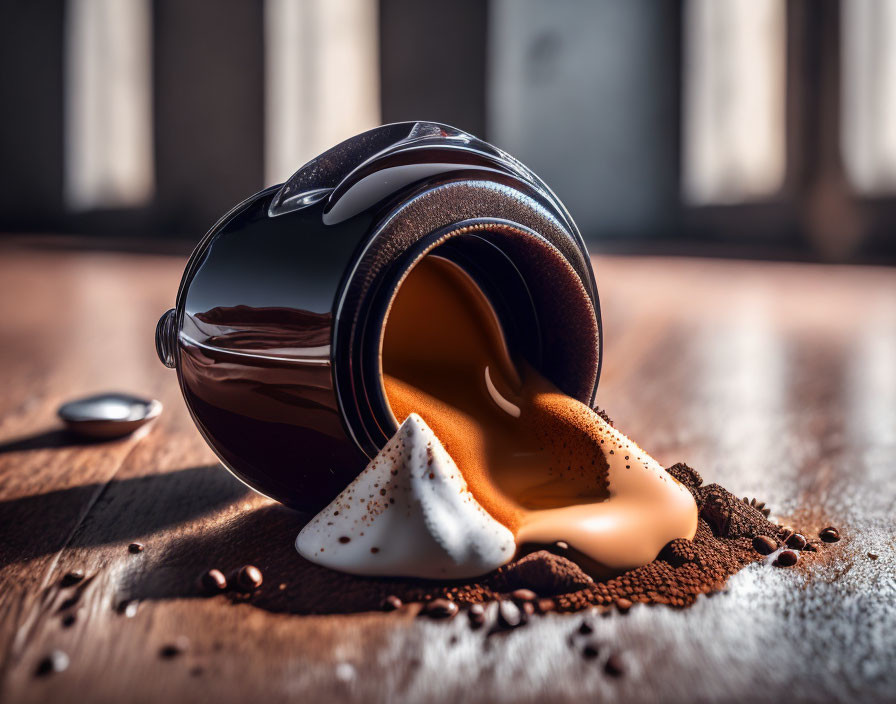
point(57, 437)
point(112, 512)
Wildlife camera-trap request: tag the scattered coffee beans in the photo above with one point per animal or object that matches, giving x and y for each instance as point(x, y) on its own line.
point(213, 581)
point(128, 607)
point(135, 548)
point(623, 604)
point(440, 608)
point(180, 645)
point(830, 535)
point(392, 603)
point(476, 616)
point(523, 595)
point(684, 570)
point(797, 541)
point(788, 558)
point(72, 577)
point(764, 545)
point(71, 602)
point(249, 578)
point(56, 661)
point(613, 666)
point(509, 614)
point(591, 650)
point(546, 605)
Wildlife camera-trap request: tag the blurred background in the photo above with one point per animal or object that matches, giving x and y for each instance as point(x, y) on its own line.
point(746, 128)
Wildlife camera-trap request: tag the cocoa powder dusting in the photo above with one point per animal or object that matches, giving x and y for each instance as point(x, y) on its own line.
point(683, 570)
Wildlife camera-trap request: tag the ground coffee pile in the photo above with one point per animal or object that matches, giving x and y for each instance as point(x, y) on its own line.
point(684, 569)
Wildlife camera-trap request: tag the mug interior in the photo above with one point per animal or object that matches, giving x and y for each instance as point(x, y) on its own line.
point(547, 316)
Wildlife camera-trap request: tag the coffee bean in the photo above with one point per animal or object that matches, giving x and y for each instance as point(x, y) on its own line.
point(440, 608)
point(764, 545)
point(345, 672)
point(71, 602)
point(623, 604)
point(613, 666)
point(213, 581)
point(72, 577)
point(128, 607)
point(829, 535)
point(797, 541)
point(392, 603)
point(586, 628)
point(546, 605)
point(56, 661)
point(135, 548)
point(249, 578)
point(523, 595)
point(179, 646)
point(509, 614)
point(788, 558)
point(591, 650)
point(528, 608)
point(476, 616)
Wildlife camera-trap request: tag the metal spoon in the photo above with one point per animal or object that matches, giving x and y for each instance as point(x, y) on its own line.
point(110, 415)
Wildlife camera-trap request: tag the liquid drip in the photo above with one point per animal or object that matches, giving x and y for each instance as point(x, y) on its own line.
point(540, 462)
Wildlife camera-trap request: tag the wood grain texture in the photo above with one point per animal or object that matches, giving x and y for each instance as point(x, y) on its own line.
point(777, 381)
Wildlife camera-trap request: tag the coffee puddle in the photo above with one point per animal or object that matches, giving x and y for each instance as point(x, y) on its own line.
point(543, 464)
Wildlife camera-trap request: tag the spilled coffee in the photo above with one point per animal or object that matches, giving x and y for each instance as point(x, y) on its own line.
point(539, 462)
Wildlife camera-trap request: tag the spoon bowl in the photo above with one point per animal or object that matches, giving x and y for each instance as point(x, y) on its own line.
point(108, 415)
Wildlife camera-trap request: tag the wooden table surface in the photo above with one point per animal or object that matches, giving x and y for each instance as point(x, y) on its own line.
point(775, 380)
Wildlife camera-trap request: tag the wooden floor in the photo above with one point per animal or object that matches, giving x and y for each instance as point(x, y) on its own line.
point(777, 381)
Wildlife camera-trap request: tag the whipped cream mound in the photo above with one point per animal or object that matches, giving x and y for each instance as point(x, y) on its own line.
point(408, 514)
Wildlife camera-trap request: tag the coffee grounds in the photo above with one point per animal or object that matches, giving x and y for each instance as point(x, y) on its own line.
point(684, 569)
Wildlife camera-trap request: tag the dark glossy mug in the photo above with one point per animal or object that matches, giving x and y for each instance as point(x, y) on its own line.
point(279, 317)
